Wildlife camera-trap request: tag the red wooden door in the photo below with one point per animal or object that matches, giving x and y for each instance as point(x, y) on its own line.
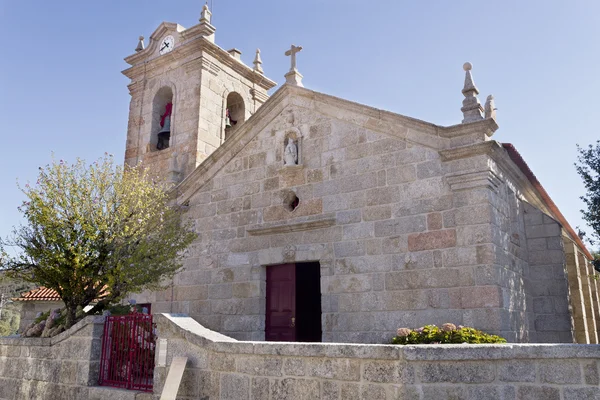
point(280, 324)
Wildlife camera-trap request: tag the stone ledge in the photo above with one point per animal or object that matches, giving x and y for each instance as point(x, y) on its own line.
point(219, 343)
point(37, 341)
point(449, 352)
point(269, 229)
point(486, 126)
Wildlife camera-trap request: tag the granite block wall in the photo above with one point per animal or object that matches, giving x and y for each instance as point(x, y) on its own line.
point(221, 368)
point(411, 225)
point(546, 278)
point(401, 250)
point(62, 367)
point(31, 309)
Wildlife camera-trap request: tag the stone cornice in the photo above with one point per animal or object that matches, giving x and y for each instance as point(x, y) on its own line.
point(486, 126)
point(270, 229)
point(380, 118)
point(198, 30)
point(490, 177)
point(477, 149)
point(155, 37)
point(259, 96)
point(470, 180)
point(144, 63)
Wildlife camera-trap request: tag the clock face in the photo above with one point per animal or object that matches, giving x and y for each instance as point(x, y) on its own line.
point(166, 45)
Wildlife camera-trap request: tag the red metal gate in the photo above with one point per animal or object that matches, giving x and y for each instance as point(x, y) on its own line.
point(128, 348)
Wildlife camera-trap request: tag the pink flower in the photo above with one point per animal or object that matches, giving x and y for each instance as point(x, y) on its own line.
point(447, 327)
point(419, 330)
point(402, 332)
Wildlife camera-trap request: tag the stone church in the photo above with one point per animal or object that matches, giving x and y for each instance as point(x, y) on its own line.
point(320, 219)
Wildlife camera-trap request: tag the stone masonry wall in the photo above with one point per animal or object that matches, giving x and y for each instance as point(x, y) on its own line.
point(62, 367)
point(583, 294)
point(184, 81)
point(30, 310)
point(200, 83)
point(546, 278)
point(410, 226)
point(221, 368)
point(402, 249)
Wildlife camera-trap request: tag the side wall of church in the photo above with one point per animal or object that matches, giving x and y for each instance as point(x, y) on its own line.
point(546, 278)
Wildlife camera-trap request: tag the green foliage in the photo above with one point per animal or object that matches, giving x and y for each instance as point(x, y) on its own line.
point(448, 333)
point(96, 232)
point(9, 320)
point(588, 167)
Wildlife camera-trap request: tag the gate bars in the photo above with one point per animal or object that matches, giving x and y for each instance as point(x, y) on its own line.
point(128, 347)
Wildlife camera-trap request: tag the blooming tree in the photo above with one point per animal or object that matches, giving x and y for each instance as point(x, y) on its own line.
point(95, 233)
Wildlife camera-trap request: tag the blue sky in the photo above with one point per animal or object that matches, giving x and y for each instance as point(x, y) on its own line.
point(62, 90)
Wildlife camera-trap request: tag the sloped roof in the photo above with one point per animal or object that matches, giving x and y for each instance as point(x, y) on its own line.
point(516, 157)
point(39, 294)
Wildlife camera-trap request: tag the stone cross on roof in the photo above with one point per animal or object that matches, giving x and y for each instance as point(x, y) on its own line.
point(292, 52)
point(293, 77)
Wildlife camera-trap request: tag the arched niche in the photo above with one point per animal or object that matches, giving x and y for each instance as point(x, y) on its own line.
point(292, 148)
point(235, 112)
point(162, 112)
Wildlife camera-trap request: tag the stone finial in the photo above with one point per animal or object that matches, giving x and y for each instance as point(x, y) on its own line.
point(490, 108)
point(258, 62)
point(471, 109)
point(206, 15)
point(140, 45)
point(293, 77)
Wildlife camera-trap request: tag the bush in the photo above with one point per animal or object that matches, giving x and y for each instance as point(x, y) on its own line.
point(448, 333)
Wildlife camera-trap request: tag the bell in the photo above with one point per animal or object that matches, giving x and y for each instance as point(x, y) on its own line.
point(227, 122)
point(164, 134)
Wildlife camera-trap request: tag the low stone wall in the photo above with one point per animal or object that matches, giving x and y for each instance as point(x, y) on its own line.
point(222, 368)
point(61, 367)
point(31, 309)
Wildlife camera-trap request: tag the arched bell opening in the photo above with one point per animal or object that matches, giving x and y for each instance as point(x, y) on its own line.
point(162, 117)
point(235, 112)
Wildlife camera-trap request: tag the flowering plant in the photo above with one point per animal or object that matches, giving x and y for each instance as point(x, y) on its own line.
point(448, 333)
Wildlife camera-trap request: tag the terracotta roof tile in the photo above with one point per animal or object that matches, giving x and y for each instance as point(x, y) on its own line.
point(39, 294)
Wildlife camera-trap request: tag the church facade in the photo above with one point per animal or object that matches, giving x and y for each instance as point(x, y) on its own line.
point(320, 219)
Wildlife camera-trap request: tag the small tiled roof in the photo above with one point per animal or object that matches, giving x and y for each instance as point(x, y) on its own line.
point(39, 294)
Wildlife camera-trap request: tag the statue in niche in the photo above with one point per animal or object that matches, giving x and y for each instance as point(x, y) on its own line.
point(165, 132)
point(290, 155)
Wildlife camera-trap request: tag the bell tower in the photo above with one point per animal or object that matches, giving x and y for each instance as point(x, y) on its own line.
point(188, 96)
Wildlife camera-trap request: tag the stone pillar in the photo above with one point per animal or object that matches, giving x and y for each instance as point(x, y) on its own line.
point(595, 299)
point(576, 293)
point(586, 285)
point(547, 284)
